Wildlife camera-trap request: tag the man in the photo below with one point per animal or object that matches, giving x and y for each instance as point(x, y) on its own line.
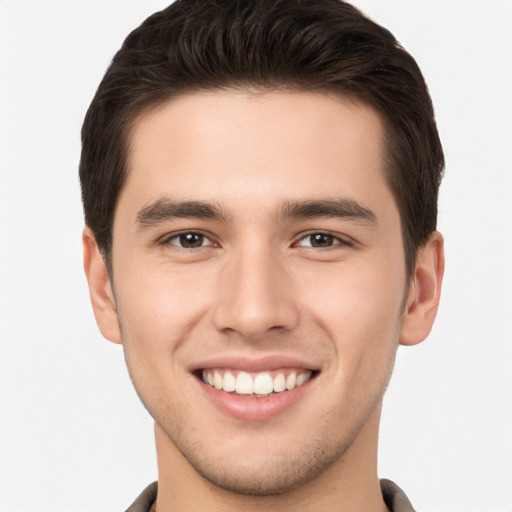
point(260, 184)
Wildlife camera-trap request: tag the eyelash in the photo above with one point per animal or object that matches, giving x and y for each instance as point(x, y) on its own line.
point(167, 240)
point(335, 239)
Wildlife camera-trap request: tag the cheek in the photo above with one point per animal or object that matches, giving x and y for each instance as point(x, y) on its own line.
point(361, 288)
point(159, 309)
point(160, 306)
point(359, 307)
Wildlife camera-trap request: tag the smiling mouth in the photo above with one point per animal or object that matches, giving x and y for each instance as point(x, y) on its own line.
point(256, 385)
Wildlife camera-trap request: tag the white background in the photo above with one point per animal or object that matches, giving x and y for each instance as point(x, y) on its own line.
point(73, 436)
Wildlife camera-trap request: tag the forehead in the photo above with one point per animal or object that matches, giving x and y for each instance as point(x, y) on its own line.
point(248, 149)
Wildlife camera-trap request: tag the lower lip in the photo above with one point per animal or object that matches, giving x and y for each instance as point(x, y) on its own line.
point(255, 409)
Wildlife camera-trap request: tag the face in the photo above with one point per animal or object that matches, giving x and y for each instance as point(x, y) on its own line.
point(259, 280)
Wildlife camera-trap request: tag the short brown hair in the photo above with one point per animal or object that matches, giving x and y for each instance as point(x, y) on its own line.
point(296, 45)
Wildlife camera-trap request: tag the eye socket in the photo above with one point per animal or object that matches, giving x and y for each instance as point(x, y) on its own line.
point(195, 240)
point(189, 240)
point(320, 241)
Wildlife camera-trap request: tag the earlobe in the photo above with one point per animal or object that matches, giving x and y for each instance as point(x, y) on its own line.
point(100, 289)
point(424, 292)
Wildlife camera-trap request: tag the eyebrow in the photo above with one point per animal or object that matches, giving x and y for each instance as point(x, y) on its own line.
point(337, 208)
point(166, 209)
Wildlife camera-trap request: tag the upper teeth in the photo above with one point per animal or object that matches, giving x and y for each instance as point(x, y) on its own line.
point(259, 384)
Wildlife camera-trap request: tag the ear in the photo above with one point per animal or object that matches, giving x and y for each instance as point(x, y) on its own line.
point(424, 292)
point(100, 289)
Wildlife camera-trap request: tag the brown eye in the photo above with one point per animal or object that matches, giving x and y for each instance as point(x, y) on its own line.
point(189, 240)
point(319, 240)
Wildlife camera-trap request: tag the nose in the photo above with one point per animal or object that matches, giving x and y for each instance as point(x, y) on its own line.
point(255, 296)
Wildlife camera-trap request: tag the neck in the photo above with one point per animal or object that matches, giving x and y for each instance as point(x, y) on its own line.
point(349, 484)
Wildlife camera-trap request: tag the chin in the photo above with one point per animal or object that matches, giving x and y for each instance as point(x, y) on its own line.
point(256, 477)
point(264, 468)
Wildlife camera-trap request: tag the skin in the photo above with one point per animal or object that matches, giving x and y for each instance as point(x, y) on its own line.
point(255, 287)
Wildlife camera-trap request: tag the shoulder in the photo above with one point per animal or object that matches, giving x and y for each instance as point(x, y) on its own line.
point(394, 497)
point(146, 499)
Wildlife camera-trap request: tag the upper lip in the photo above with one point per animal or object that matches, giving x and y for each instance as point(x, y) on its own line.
point(255, 364)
